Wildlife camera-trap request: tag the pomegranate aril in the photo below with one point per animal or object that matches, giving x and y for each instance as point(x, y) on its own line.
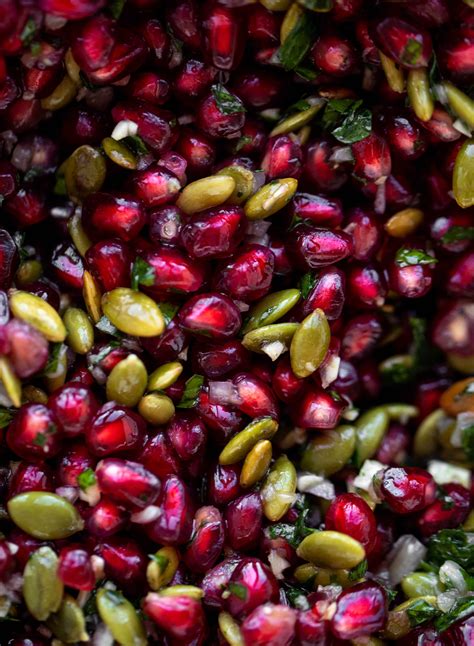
point(127, 483)
point(27, 348)
point(243, 519)
point(213, 234)
point(114, 429)
point(361, 610)
point(75, 568)
point(113, 215)
point(180, 617)
point(334, 55)
point(248, 276)
point(106, 519)
point(34, 433)
point(30, 477)
point(316, 408)
point(351, 515)
point(109, 262)
point(282, 158)
point(216, 123)
point(223, 37)
point(207, 540)
point(210, 314)
point(187, 435)
point(223, 484)
point(174, 525)
point(311, 247)
point(449, 511)
point(407, 489)
point(174, 271)
point(124, 563)
point(270, 625)
point(155, 186)
point(409, 46)
point(259, 582)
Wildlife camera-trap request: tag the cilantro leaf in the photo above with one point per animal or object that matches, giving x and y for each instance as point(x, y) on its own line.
point(452, 545)
point(226, 102)
point(421, 611)
point(347, 120)
point(306, 73)
point(239, 589)
point(169, 311)
point(6, 416)
point(464, 607)
point(136, 144)
point(115, 7)
point(317, 5)
point(467, 438)
point(412, 52)
point(407, 257)
point(454, 234)
point(142, 273)
point(55, 354)
point(296, 596)
point(86, 479)
point(307, 282)
point(192, 389)
point(358, 572)
point(295, 533)
point(29, 32)
point(298, 42)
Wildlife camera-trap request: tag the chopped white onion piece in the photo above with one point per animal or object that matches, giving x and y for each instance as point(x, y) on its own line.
point(274, 349)
point(102, 636)
point(329, 370)
point(147, 515)
point(69, 493)
point(278, 564)
point(224, 393)
point(367, 471)
point(124, 128)
point(404, 558)
point(450, 574)
point(315, 485)
point(446, 600)
point(444, 473)
point(91, 495)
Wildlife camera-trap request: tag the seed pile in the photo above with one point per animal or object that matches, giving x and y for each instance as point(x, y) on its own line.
point(236, 322)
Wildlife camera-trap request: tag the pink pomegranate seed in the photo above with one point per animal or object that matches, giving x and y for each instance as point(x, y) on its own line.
point(187, 435)
point(450, 510)
point(250, 585)
point(256, 397)
point(127, 483)
point(282, 157)
point(322, 168)
point(316, 408)
point(114, 429)
point(27, 348)
point(125, 563)
point(174, 271)
point(182, 618)
point(34, 433)
point(30, 477)
point(334, 55)
point(351, 515)
point(248, 276)
point(285, 383)
point(243, 519)
point(109, 261)
point(361, 610)
point(74, 406)
point(109, 215)
point(215, 123)
point(210, 314)
point(270, 625)
point(155, 186)
point(75, 568)
point(409, 46)
point(317, 208)
point(214, 234)
point(174, 525)
point(207, 540)
point(311, 247)
point(407, 489)
point(106, 519)
point(224, 37)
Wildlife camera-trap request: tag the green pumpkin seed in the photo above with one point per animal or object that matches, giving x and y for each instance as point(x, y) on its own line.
point(393, 73)
point(72, 68)
point(162, 567)
point(44, 515)
point(84, 172)
point(404, 223)
point(426, 435)
point(256, 463)
point(205, 193)
point(419, 94)
point(156, 408)
point(330, 576)
point(230, 629)
point(271, 340)
point(463, 175)
point(80, 331)
point(92, 296)
point(460, 103)
point(279, 489)
point(401, 412)
point(42, 588)
point(292, 16)
point(244, 183)
point(329, 451)
point(119, 153)
point(370, 428)
point(183, 591)
point(237, 448)
point(132, 312)
point(10, 382)
point(418, 584)
point(165, 376)
point(61, 96)
point(310, 344)
point(305, 573)
point(121, 618)
point(79, 237)
point(34, 395)
point(68, 624)
point(299, 119)
point(28, 272)
point(271, 308)
point(270, 198)
point(276, 5)
point(331, 549)
point(127, 381)
point(38, 313)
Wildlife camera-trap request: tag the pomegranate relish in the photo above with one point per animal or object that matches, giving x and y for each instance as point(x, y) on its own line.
point(236, 322)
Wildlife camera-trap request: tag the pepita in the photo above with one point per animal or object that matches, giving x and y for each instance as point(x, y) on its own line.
point(121, 618)
point(68, 624)
point(38, 313)
point(205, 193)
point(310, 344)
point(80, 331)
point(271, 308)
point(279, 489)
point(237, 448)
point(256, 463)
point(92, 296)
point(270, 198)
point(132, 312)
point(42, 588)
point(44, 515)
point(127, 381)
point(331, 549)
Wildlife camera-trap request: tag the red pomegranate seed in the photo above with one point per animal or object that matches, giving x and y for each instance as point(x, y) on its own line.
point(174, 525)
point(181, 617)
point(407, 489)
point(250, 585)
point(114, 429)
point(127, 483)
point(361, 610)
point(243, 519)
point(351, 515)
point(210, 314)
point(74, 406)
point(450, 510)
point(207, 540)
point(409, 46)
point(270, 625)
point(75, 568)
point(34, 434)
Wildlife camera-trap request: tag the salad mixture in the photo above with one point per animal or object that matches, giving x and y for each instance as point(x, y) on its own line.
point(236, 322)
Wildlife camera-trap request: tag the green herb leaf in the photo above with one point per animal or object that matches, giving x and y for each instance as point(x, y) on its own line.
point(162, 561)
point(421, 611)
point(317, 5)
point(55, 354)
point(86, 479)
point(358, 572)
point(243, 141)
point(398, 372)
point(95, 359)
point(35, 48)
point(239, 590)
point(107, 327)
point(347, 120)
point(192, 389)
point(307, 282)
point(467, 438)
point(226, 102)
point(298, 106)
point(463, 608)
point(452, 545)
point(6, 416)
point(29, 32)
point(142, 273)
point(454, 234)
point(298, 42)
point(297, 597)
point(169, 311)
point(412, 52)
point(305, 72)
point(407, 257)
point(136, 144)
point(115, 7)
point(295, 533)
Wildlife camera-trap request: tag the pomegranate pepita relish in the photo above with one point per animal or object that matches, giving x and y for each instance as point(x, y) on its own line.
point(236, 322)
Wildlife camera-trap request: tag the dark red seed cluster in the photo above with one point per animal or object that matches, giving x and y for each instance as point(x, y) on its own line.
point(238, 411)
